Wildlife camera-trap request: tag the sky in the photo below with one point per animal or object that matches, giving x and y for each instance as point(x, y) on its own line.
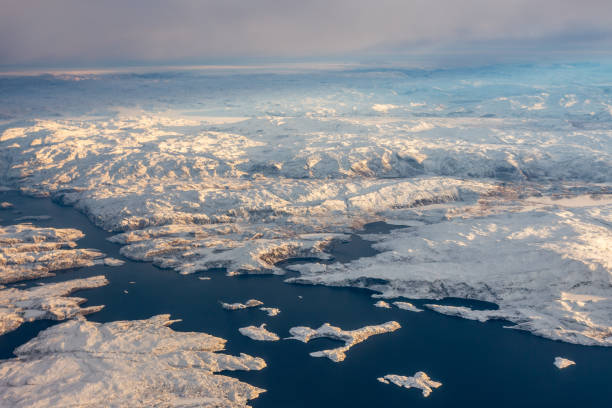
point(94, 32)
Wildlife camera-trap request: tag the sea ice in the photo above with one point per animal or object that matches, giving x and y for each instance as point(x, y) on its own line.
point(350, 337)
point(420, 380)
point(124, 363)
point(259, 333)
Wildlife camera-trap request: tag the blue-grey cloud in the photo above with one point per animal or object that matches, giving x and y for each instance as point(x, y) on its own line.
point(94, 31)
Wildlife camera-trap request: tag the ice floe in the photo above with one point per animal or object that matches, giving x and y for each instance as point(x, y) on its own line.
point(47, 301)
point(562, 363)
point(124, 363)
point(259, 333)
point(237, 306)
point(350, 337)
point(420, 380)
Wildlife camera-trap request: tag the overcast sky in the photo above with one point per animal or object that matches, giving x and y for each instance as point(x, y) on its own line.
point(85, 32)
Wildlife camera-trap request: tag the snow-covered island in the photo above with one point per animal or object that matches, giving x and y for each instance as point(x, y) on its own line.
point(259, 333)
point(48, 301)
point(382, 304)
point(124, 363)
point(407, 306)
point(350, 337)
point(562, 363)
point(246, 305)
point(419, 380)
point(271, 311)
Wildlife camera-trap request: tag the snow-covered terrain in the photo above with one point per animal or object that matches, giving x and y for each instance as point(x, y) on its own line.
point(271, 311)
point(502, 176)
point(407, 306)
point(419, 380)
point(562, 363)
point(259, 333)
point(30, 252)
point(237, 306)
point(47, 301)
point(382, 304)
point(124, 363)
point(548, 269)
point(349, 337)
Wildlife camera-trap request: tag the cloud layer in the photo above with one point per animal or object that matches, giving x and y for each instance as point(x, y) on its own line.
point(89, 31)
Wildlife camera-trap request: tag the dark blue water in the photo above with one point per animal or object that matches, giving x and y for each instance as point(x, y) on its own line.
point(479, 364)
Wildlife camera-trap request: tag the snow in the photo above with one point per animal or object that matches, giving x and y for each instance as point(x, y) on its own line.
point(124, 363)
point(407, 306)
point(30, 252)
point(47, 301)
point(350, 337)
point(237, 306)
point(190, 249)
point(562, 363)
point(259, 333)
point(420, 380)
point(113, 262)
point(382, 304)
point(271, 311)
point(503, 176)
point(548, 269)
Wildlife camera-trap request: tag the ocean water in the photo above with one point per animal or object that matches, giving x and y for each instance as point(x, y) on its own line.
point(479, 364)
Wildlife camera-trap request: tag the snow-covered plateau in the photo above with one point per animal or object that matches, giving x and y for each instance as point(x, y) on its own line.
point(124, 363)
point(501, 177)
